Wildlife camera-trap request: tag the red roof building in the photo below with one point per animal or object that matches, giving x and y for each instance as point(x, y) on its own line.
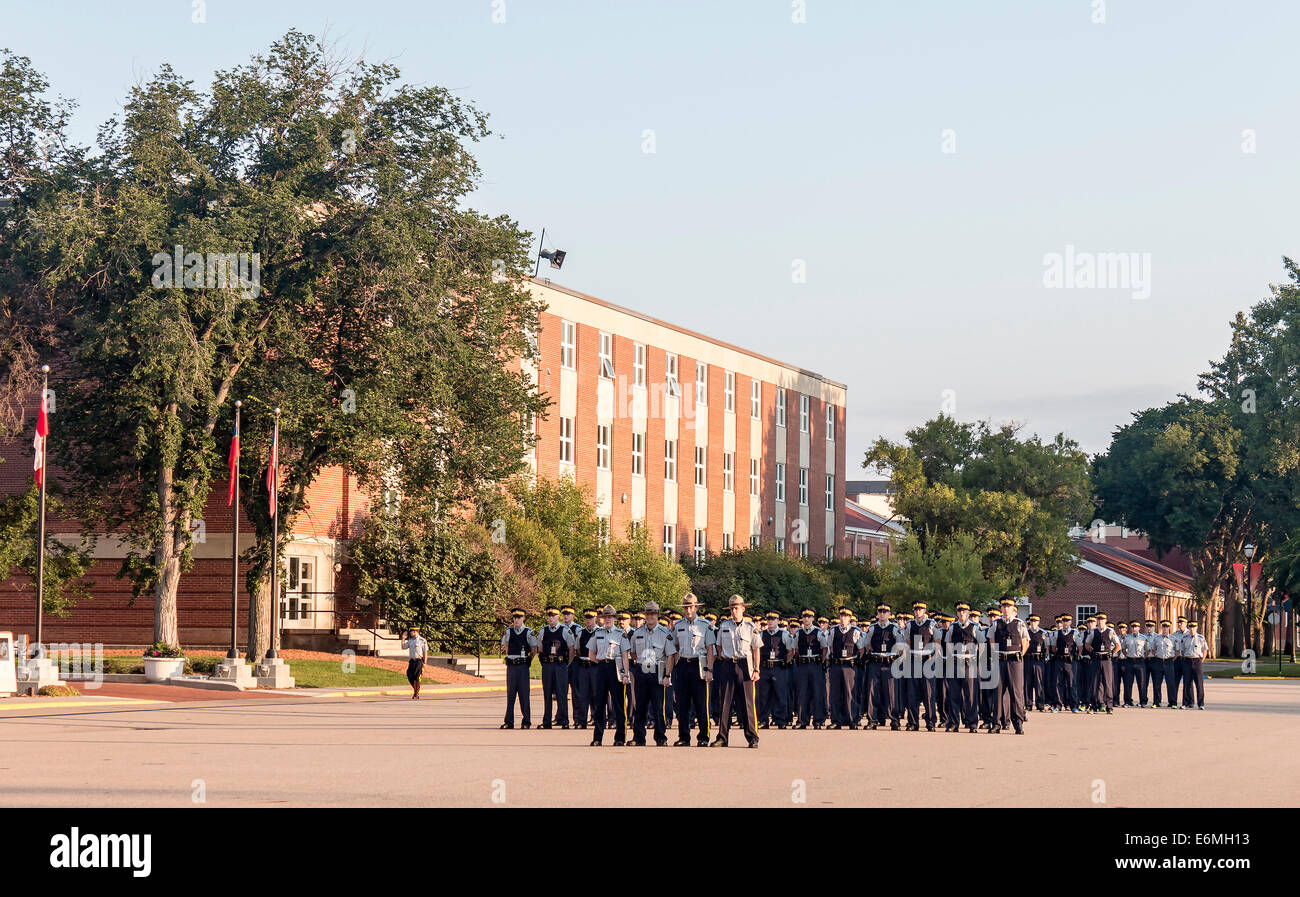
point(1123, 585)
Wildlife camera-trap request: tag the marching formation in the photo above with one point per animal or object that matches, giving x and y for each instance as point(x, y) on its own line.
point(967, 670)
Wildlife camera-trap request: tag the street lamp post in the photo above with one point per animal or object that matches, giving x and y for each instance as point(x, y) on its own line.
point(1250, 603)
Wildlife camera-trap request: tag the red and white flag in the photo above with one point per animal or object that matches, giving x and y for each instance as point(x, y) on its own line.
point(42, 432)
point(233, 464)
point(272, 471)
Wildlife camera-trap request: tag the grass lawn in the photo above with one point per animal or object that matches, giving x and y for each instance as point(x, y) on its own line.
point(1265, 667)
point(328, 674)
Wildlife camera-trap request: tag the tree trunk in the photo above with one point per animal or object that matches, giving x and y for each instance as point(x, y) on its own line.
point(259, 620)
point(167, 559)
point(1231, 646)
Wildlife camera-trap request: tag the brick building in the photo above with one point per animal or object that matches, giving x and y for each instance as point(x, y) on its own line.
point(867, 534)
point(1119, 583)
point(707, 445)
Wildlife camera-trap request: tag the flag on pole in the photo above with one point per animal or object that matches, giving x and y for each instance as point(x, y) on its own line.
point(272, 471)
point(233, 464)
point(42, 431)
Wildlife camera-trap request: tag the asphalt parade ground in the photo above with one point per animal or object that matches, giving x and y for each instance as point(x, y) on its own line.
point(447, 751)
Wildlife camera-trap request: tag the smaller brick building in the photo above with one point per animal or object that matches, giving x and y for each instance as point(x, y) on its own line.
point(1121, 584)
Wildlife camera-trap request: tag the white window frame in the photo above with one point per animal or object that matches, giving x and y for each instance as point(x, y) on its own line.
point(803, 487)
point(568, 345)
point(728, 541)
point(753, 476)
point(830, 423)
point(607, 356)
point(729, 391)
point(778, 545)
point(780, 481)
point(1082, 612)
point(830, 492)
point(780, 406)
point(566, 440)
point(803, 549)
point(728, 471)
point(755, 398)
point(755, 541)
point(830, 552)
point(638, 454)
point(603, 529)
point(602, 447)
point(701, 460)
point(803, 414)
point(701, 383)
point(701, 545)
point(670, 540)
point(670, 375)
point(670, 460)
point(638, 365)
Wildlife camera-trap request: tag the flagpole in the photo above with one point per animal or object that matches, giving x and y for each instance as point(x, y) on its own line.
point(40, 526)
point(275, 539)
point(233, 653)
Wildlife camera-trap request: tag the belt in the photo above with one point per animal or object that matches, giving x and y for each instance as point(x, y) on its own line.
point(842, 661)
point(681, 659)
point(881, 658)
point(1035, 655)
point(770, 664)
point(807, 660)
point(1101, 655)
point(1011, 655)
point(516, 661)
point(605, 661)
point(586, 661)
point(555, 659)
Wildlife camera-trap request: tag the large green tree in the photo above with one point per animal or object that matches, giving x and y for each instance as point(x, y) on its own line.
point(382, 315)
point(1015, 498)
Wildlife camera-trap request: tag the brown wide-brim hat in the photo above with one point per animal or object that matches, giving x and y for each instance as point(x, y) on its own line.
point(651, 607)
point(608, 611)
point(735, 601)
point(690, 599)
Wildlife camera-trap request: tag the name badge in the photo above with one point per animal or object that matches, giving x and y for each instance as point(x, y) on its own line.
point(553, 647)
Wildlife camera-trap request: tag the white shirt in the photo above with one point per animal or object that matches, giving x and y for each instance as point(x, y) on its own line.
point(416, 647)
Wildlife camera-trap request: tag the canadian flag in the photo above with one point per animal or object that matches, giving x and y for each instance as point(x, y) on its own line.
point(273, 469)
point(232, 463)
point(38, 444)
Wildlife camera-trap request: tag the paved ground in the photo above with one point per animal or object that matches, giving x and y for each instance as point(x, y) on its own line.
point(389, 751)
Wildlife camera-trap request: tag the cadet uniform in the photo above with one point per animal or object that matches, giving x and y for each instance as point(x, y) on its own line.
point(842, 645)
point(776, 647)
point(1180, 668)
point(694, 641)
point(586, 672)
point(791, 691)
point(940, 684)
point(715, 693)
point(1133, 668)
point(558, 647)
point(989, 696)
point(520, 645)
point(1162, 650)
point(1087, 678)
point(809, 672)
point(1009, 637)
point(606, 647)
point(962, 643)
point(647, 655)
point(918, 635)
point(737, 647)
point(1036, 667)
point(883, 643)
point(669, 703)
point(1194, 648)
point(1065, 651)
point(1101, 645)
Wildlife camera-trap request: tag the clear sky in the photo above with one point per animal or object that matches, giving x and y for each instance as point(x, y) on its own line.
point(831, 142)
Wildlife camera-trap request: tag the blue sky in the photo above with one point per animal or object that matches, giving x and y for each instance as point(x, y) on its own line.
point(825, 142)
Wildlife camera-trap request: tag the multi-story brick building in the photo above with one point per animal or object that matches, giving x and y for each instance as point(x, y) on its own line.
point(707, 445)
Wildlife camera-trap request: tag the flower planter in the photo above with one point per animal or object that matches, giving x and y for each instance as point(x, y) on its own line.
point(160, 669)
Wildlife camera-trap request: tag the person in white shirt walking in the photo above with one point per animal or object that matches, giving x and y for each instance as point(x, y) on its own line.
point(417, 652)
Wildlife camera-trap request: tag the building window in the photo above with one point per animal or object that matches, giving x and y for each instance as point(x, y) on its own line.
point(700, 546)
point(803, 487)
point(803, 414)
point(566, 439)
point(607, 356)
point(602, 529)
point(830, 552)
point(700, 452)
point(830, 492)
point(728, 541)
point(602, 448)
point(754, 541)
point(830, 423)
point(300, 590)
point(780, 481)
point(728, 471)
point(636, 529)
point(670, 540)
point(778, 545)
point(638, 365)
point(701, 383)
point(803, 549)
point(670, 459)
point(568, 344)
point(729, 392)
point(670, 375)
point(780, 407)
point(1082, 612)
point(638, 454)
point(755, 392)
point(753, 476)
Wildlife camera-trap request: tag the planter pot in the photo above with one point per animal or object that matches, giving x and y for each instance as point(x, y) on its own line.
point(160, 669)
